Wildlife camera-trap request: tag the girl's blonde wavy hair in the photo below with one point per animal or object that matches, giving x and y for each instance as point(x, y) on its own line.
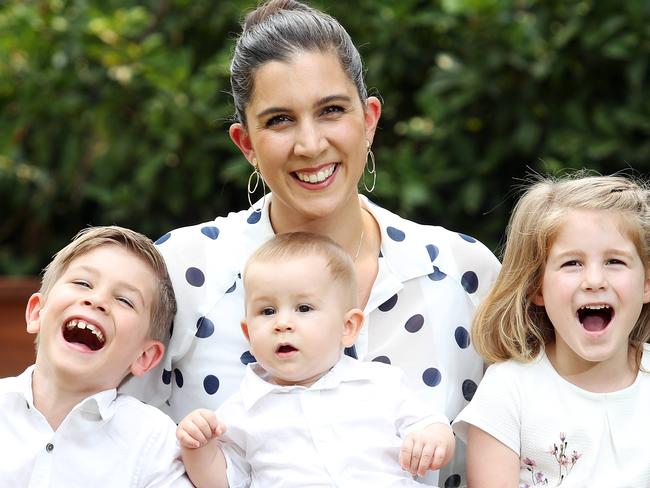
point(508, 325)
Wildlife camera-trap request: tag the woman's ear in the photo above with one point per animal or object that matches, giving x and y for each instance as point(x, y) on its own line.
point(353, 321)
point(371, 116)
point(149, 358)
point(240, 137)
point(33, 313)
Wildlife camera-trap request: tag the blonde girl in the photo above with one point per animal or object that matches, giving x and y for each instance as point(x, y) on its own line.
point(565, 402)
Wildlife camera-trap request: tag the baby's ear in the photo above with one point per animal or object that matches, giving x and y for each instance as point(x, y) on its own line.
point(151, 355)
point(33, 313)
point(244, 329)
point(353, 321)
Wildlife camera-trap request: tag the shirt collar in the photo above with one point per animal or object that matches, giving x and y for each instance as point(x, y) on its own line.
point(101, 404)
point(255, 384)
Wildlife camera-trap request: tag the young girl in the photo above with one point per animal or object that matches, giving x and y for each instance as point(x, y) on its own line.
point(566, 403)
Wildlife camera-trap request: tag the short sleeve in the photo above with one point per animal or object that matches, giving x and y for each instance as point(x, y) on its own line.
point(495, 408)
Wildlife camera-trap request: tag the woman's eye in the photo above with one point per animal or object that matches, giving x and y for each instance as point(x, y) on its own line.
point(268, 311)
point(276, 120)
point(304, 308)
point(333, 109)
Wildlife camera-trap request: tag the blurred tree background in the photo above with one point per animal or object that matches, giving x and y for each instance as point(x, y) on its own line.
point(116, 111)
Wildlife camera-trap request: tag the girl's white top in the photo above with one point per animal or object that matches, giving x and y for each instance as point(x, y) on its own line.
point(429, 283)
point(564, 435)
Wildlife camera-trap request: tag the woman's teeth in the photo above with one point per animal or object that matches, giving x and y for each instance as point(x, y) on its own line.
point(319, 177)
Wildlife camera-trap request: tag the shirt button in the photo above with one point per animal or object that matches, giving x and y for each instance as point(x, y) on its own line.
point(49, 447)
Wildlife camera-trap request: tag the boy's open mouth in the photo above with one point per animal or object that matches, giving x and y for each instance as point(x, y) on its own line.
point(595, 318)
point(285, 349)
point(79, 331)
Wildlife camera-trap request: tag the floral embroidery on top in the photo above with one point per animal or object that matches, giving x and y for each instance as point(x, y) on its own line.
point(564, 460)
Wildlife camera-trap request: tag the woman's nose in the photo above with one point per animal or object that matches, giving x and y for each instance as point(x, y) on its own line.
point(310, 141)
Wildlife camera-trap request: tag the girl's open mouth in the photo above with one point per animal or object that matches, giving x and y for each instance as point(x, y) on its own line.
point(595, 318)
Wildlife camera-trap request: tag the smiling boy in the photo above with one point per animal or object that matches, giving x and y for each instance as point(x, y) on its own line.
point(104, 308)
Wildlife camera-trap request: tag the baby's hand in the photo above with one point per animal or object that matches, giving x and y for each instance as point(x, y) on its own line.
point(198, 428)
point(427, 449)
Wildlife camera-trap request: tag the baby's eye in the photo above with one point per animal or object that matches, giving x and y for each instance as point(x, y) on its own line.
point(304, 308)
point(268, 311)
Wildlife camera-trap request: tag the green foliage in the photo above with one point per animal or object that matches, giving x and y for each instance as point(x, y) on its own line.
point(117, 111)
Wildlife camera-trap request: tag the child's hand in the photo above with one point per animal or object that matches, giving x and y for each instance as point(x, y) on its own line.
point(427, 449)
point(199, 428)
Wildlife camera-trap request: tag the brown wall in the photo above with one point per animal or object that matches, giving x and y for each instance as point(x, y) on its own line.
point(16, 345)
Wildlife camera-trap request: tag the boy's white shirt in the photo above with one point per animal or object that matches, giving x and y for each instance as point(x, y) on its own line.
point(106, 440)
point(344, 430)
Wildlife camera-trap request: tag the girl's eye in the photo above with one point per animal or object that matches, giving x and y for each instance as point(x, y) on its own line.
point(268, 311)
point(571, 263)
point(615, 261)
point(304, 308)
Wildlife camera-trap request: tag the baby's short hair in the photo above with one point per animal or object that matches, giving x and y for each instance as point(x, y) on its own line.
point(298, 244)
point(163, 307)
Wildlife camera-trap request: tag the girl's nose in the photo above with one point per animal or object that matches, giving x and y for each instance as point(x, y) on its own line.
point(594, 278)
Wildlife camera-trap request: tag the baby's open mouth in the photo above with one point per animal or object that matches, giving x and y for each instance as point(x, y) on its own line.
point(81, 332)
point(285, 349)
point(595, 318)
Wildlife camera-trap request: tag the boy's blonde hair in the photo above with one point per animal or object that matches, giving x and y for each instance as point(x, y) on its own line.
point(163, 307)
point(299, 244)
point(507, 323)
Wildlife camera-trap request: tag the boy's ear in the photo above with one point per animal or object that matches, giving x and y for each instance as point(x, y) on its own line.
point(149, 358)
point(33, 313)
point(244, 329)
point(353, 321)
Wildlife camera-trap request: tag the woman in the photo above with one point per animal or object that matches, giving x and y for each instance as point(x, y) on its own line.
point(306, 125)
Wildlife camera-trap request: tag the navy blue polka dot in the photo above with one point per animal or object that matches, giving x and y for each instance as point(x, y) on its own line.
point(194, 277)
point(433, 251)
point(211, 231)
point(380, 254)
point(431, 377)
point(254, 217)
point(382, 359)
point(211, 384)
point(351, 351)
point(166, 376)
point(415, 323)
point(388, 304)
point(178, 376)
point(163, 238)
point(469, 281)
point(232, 288)
point(453, 481)
point(204, 328)
point(437, 275)
point(467, 238)
point(469, 388)
point(247, 358)
point(395, 234)
point(461, 334)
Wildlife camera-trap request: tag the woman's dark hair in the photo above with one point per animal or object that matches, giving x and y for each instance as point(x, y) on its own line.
point(274, 32)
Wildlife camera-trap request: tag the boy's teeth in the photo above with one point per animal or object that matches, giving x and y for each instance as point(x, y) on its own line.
point(82, 324)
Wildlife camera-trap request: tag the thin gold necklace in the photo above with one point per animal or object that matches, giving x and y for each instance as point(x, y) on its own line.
point(356, 254)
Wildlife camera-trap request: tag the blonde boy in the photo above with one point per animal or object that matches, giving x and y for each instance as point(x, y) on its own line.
point(104, 308)
point(306, 415)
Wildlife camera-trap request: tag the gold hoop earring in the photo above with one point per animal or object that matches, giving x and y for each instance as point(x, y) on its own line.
point(253, 182)
point(371, 168)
